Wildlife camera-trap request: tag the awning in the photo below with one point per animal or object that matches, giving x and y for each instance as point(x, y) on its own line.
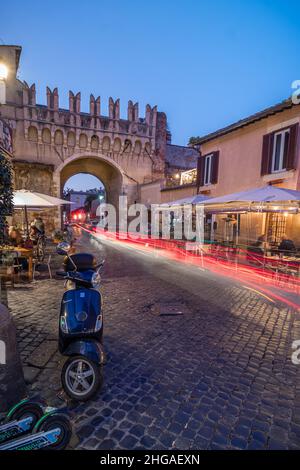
point(264, 194)
point(197, 199)
point(264, 199)
point(23, 198)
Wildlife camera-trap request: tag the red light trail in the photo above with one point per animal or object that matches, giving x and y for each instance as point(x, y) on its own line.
point(228, 264)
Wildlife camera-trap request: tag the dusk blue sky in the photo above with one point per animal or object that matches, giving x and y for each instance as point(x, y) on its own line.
point(83, 181)
point(206, 64)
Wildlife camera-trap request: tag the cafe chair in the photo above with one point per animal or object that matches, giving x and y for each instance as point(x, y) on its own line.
point(46, 263)
point(10, 266)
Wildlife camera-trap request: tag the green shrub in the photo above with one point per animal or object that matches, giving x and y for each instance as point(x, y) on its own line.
point(6, 196)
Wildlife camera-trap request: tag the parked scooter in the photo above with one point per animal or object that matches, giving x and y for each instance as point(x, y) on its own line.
point(20, 419)
point(29, 425)
point(81, 325)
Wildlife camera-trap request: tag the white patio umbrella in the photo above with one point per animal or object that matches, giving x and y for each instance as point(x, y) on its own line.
point(24, 199)
point(197, 199)
point(264, 199)
point(264, 194)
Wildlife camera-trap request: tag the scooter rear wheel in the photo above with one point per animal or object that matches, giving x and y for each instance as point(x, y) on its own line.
point(81, 378)
point(25, 410)
point(52, 421)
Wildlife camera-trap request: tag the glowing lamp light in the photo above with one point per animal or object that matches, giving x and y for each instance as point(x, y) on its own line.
point(3, 76)
point(3, 72)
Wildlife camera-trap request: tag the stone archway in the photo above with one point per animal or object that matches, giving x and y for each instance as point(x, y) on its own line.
point(107, 172)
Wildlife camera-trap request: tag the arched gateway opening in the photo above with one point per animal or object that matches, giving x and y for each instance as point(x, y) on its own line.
point(108, 173)
point(86, 192)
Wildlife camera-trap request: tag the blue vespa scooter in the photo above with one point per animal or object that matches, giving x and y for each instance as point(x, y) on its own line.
point(81, 325)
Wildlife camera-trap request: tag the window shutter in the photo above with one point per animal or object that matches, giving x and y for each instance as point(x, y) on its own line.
point(215, 168)
point(200, 172)
point(290, 163)
point(266, 158)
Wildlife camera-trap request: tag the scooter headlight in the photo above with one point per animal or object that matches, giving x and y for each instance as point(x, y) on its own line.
point(63, 325)
point(96, 280)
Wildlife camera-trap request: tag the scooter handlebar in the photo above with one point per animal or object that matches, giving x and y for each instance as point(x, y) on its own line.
point(99, 266)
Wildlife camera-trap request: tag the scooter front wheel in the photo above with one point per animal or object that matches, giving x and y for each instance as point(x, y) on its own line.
point(62, 427)
point(81, 378)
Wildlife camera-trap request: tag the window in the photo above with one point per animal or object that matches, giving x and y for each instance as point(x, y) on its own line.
point(276, 227)
point(207, 169)
point(189, 176)
point(280, 150)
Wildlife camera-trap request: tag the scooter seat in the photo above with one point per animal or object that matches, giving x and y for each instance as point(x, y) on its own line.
point(83, 261)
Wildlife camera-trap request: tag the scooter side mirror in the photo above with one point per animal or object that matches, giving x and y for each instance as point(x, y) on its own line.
point(63, 248)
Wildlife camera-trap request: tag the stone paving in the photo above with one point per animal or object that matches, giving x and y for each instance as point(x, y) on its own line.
point(217, 376)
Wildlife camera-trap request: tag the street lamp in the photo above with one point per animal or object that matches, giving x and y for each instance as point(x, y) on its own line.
point(3, 77)
point(3, 72)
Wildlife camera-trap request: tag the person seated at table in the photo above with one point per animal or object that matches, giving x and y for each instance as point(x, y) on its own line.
point(33, 233)
point(39, 224)
point(286, 245)
point(15, 236)
point(261, 245)
point(257, 251)
point(37, 228)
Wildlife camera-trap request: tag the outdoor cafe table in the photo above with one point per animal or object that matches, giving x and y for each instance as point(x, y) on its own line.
point(24, 253)
point(291, 263)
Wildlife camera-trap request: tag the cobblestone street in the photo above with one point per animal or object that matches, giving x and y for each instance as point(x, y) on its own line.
point(218, 375)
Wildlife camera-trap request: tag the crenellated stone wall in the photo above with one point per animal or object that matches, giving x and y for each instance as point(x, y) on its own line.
point(52, 134)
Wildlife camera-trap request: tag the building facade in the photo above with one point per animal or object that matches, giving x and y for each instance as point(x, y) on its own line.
point(259, 150)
